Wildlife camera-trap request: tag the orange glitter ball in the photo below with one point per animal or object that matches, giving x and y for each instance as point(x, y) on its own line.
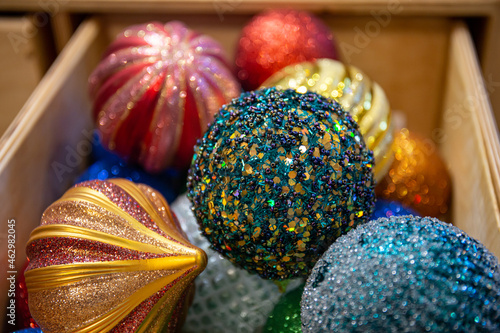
point(418, 176)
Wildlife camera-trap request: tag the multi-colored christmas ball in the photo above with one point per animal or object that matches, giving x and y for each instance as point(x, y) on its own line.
point(404, 274)
point(277, 178)
point(228, 299)
point(110, 256)
point(156, 89)
point(278, 38)
point(285, 317)
point(385, 208)
point(418, 177)
point(363, 98)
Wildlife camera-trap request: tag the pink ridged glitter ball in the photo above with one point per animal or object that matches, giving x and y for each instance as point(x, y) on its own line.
point(155, 91)
point(278, 38)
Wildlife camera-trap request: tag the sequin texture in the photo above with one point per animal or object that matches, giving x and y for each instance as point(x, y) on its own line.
point(404, 274)
point(363, 98)
point(277, 178)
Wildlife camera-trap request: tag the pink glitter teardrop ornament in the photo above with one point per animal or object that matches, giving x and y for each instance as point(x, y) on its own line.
point(155, 91)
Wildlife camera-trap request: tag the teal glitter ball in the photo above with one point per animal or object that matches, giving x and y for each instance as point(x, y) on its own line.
point(285, 317)
point(277, 178)
point(404, 274)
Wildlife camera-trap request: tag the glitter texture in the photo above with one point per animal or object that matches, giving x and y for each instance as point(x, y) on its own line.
point(81, 302)
point(384, 208)
point(277, 178)
point(62, 250)
point(285, 317)
point(278, 38)
point(125, 202)
point(110, 254)
point(131, 323)
point(418, 177)
point(94, 217)
point(151, 79)
point(404, 274)
point(30, 330)
point(364, 99)
point(228, 299)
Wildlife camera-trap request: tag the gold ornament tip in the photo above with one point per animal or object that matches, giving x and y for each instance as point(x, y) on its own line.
point(201, 260)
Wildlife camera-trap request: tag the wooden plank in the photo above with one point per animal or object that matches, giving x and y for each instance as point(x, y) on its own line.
point(62, 28)
point(411, 7)
point(475, 198)
point(490, 52)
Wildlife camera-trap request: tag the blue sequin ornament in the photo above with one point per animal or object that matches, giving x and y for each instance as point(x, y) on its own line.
point(385, 208)
point(277, 178)
point(30, 330)
point(169, 183)
point(403, 274)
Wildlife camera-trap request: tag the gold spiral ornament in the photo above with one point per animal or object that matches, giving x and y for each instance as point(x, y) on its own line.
point(110, 256)
point(363, 98)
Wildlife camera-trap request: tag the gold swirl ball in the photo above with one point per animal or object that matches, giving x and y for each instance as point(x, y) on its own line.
point(109, 256)
point(418, 176)
point(363, 98)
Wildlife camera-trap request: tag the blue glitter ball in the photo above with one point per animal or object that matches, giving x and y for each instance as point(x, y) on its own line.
point(98, 151)
point(403, 274)
point(385, 208)
point(277, 178)
point(30, 330)
point(116, 168)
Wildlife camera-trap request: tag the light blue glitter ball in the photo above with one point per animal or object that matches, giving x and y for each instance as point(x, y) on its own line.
point(403, 274)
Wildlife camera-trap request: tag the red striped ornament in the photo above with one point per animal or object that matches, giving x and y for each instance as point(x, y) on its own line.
point(156, 90)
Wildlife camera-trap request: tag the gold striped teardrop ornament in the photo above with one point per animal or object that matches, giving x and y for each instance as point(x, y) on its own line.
point(110, 256)
point(363, 98)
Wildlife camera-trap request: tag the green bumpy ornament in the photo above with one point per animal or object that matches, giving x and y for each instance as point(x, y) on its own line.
point(285, 317)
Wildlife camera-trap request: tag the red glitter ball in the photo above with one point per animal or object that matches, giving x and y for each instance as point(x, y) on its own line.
point(24, 319)
point(278, 38)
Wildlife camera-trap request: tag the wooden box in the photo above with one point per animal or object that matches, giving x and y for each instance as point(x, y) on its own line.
point(427, 66)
